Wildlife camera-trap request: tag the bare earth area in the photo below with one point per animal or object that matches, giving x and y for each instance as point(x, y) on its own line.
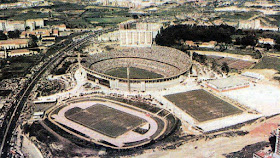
point(259, 131)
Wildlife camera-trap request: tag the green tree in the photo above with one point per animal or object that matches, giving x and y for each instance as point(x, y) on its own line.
point(267, 46)
point(2, 36)
point(214, 65)
point(14, 34)
point(225, 67)
point(277, 47)
point(257, 54)
point(249, 40)
point(27, 28)
point(202, 59)
point(33, 42)
point(237, 41)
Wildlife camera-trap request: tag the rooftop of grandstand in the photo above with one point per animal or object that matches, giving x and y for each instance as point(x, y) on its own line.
point(228, 83)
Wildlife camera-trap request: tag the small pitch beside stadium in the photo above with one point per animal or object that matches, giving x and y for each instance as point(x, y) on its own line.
point(202, 105)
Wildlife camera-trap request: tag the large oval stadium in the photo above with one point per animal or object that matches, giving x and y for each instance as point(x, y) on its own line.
point(138, 68)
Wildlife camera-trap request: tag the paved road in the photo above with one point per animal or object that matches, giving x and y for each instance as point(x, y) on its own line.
point(30, 148)
point(13, 114)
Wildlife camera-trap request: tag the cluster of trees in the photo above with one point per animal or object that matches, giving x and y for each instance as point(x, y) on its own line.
point(275, 36)
point(64, 68)
point(203, 59)
point(33, 41)
point(225, 67)
point(199, 57)
point(173, 35)
point(2, 36)
point(39, 132)
point(248, 40)
point(11, 34)
point(2, 63)
point(14, 34)
point(257, 54)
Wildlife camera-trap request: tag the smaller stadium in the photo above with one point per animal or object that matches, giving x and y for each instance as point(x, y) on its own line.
point(109, 123)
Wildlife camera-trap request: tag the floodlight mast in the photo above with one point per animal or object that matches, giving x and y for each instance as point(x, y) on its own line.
point(128, 77)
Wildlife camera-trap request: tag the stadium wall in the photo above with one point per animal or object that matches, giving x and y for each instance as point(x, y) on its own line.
point(144, 85)
point(136, 84)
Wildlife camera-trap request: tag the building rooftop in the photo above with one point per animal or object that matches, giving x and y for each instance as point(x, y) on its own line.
point(14, 41)
point(38, 19)
point(19, 51)
point(266, 40)
point(229, 82)
point(15, 22)
point(262, 154)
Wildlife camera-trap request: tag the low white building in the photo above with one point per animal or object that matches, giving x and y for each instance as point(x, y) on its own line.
point(111, 36)
point(227, 84)
point(38, 115)
point(61, 27)
point(34, 23)
point(210, 44)
point(266, 41)
point(19, 52)
point(12, 25)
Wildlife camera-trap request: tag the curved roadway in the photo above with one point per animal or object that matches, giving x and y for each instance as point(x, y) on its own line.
point(13, 114)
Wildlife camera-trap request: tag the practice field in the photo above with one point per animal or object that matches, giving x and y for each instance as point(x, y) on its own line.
point(232, 63)
point(105, 120)
point(135, 73)
point(202, 105)
point(268, 63)
point(42, 106)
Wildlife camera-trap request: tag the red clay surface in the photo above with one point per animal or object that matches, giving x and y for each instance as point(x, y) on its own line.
point(267, 127)
point(264, 130)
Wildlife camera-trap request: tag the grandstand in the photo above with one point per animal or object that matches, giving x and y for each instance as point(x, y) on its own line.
point(227, 84)
point(167, 62)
